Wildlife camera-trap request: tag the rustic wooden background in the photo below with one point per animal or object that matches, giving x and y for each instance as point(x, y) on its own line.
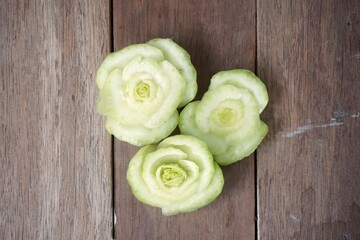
point(63, 177)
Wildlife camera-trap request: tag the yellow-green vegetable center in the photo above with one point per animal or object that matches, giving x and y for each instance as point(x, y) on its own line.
point(142, 91)
point(226, 116)
point(172, 175)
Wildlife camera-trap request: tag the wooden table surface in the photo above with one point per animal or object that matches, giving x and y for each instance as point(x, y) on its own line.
point(63, 177)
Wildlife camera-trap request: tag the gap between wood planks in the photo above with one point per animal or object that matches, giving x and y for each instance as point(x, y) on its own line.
point(111, 43)
point(256, 205)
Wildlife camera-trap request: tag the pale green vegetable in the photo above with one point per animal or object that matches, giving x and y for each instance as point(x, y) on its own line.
point(227, 117)
point(121, 58)
point(178, 175)
point(140, 135)
point(188, 126)
point(141, 87)
point(242, 78)
point(181, 60)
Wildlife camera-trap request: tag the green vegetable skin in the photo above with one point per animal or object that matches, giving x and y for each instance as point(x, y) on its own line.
point(141, 87)
point(227, 117)
point(178, 175)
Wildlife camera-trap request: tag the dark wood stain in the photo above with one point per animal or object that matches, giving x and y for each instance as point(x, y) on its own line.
point(218, 35)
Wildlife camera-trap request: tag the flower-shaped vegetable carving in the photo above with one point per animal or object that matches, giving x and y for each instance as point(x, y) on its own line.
point(141, 87)
point(227, 117)
point(178, 175)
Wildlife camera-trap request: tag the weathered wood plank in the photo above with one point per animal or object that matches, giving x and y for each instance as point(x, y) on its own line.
point(219, 35)
point(55, 176)
point(309, 165)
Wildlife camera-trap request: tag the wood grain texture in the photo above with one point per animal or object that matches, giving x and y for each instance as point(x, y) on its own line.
point(219, 35)
point(308, 167)
point(55, 176)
